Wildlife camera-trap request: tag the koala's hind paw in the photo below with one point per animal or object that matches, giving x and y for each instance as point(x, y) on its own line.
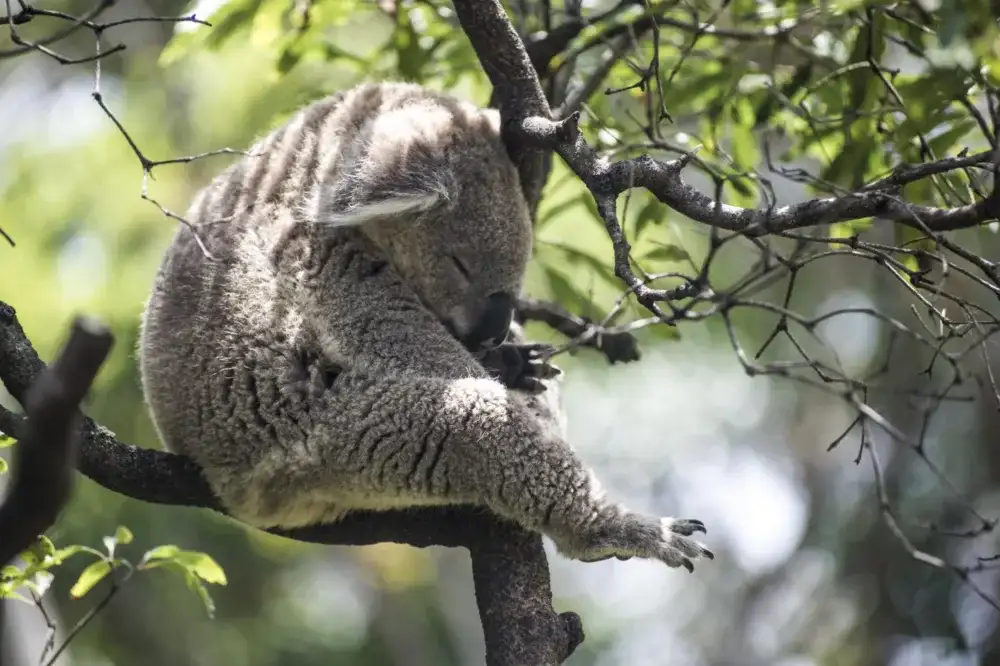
point(521, 367)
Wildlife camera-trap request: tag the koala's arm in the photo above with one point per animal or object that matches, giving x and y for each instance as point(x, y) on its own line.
point(363, 316)
point(379, 442)
point(414, 420)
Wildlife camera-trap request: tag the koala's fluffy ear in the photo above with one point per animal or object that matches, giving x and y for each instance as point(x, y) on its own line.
point(392, 206)
point(397, 169)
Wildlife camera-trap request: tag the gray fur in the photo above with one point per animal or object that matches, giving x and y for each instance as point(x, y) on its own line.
point(308, 368)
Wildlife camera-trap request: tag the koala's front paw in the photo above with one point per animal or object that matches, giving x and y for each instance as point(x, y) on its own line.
point(520, 367)
point(676, 547)
point(665, 539)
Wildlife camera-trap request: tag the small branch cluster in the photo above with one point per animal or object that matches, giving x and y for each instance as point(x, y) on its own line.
point(932, 269)
point(25, 14)
point(20, 13)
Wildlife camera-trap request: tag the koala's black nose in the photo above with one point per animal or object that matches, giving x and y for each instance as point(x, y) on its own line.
point(494, 323)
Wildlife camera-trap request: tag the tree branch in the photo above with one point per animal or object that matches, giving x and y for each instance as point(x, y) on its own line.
point(41, 473)
point(516, 87)
point(505, 60)
point(617, 346)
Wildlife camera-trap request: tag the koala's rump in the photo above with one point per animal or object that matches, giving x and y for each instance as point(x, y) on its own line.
point(217, 353)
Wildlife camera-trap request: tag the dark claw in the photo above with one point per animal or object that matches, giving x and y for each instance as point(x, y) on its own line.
point(688, 526)
point(540, 348)
point(545, 371)
point(687, 565)
point(707, 553)
point(530, 384)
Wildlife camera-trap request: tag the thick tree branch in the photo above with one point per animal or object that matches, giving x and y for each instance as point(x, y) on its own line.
point(515, 86)
point(515, 607)
point(42, 470)
point(42, 473)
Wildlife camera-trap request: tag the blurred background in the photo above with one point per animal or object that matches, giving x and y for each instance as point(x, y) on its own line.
point(806, 571)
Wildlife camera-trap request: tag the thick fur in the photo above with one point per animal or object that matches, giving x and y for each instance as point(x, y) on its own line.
point(312, 368)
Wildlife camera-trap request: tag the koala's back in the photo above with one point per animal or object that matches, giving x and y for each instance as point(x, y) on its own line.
point(222, 339)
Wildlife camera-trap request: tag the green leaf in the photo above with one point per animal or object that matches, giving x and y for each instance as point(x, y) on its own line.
point(196, 586)
point(576, 256)
point(64, 554)
point(564, 291)
point(90, 577)
point(123, 535)
point(863, 84)
point(662, 252)
point(549, 213)
point(944, 141)
point(226, 21)
point(841, 230)
point(651, 212)
point(192, 581)
point(198, 564)
point(202, 565)
point(160, 553)
point(36, 553)
point(770, 104)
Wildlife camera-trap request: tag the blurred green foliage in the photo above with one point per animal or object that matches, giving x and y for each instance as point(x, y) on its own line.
point(86, 241)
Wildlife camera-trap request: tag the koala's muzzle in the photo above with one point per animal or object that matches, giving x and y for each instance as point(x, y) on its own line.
point(491, 329)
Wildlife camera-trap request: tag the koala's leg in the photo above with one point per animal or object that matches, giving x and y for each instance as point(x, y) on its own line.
point(388, 442)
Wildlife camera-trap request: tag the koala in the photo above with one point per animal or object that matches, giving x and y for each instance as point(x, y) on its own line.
point(323, 358)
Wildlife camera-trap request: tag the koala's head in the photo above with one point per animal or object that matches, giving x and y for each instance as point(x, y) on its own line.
point(429, 180)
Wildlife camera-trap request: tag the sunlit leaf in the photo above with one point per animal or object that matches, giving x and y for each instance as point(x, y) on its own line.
point(167, 552)
point(841, 230)
point(90, 577)
point(123, 535)
point(228, 19)
point(193, 582)
point(202, 565)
